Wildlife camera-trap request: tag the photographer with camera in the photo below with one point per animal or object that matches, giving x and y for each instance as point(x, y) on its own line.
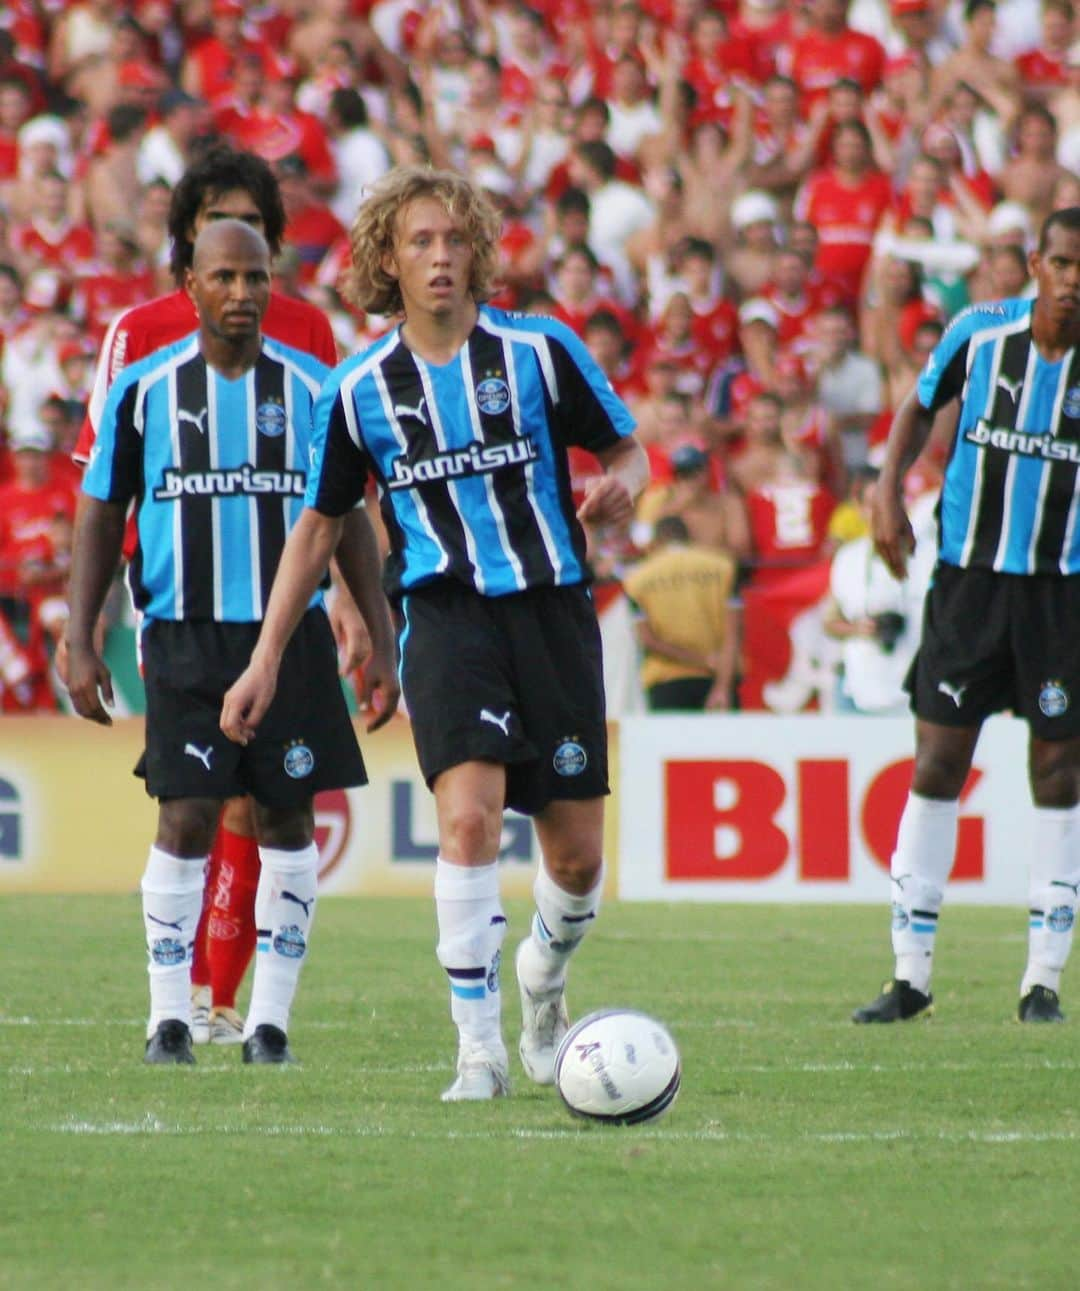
point(874, 618)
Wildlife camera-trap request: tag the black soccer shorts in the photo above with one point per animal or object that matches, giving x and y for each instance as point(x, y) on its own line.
point(514, 679)
point(992, 642)
point(305, 742)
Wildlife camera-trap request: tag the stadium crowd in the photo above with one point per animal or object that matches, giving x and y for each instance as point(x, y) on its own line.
point(759, 215)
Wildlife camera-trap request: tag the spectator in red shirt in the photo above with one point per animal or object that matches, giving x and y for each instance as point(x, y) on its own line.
point(829, 49)
point(312, 227)
point(208, 68)
point(15, 108)
point(116, 281)
point(1045, 69)
point(846, 202)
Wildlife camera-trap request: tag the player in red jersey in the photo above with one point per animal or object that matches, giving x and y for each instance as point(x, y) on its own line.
point(223, 184)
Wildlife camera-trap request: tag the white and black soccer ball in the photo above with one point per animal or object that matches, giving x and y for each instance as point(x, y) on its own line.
point(619, 1066)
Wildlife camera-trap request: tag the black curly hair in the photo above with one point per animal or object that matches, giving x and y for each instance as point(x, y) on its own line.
point(220, 170)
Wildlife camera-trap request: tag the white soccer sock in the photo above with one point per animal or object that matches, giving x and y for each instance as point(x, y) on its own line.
point(284, 910)
point(1052, 895)
point(920, 868)
point(471, 931)
point(559, 923)
point(172, 888)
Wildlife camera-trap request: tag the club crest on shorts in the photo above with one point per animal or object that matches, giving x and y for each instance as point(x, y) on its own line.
point(1071, 403)
point(299, 761)
point(570, 758)
point(270, 419)
point(492, 396)
point(289, 941)
point(1053, 699)
point(1061, 918)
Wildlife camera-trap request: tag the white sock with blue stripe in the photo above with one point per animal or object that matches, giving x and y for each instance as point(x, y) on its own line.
point(920, 868)
point(471, 931)
point(559, 924)
point(1052, 895)
point(172, 888)
point(284, 910)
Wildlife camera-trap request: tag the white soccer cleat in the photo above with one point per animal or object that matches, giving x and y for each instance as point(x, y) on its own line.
point(226, 1026)
point(200, 1014)
point(544, 1022)
point(483, 1073)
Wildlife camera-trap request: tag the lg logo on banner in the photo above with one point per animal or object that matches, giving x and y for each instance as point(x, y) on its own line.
point(721, 820)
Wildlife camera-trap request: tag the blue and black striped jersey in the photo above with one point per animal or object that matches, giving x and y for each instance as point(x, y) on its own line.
point(217, 470)
point(469, 456)
point(1012, 484)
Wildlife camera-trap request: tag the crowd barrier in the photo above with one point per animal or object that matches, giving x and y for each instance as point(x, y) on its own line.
point(706, 808)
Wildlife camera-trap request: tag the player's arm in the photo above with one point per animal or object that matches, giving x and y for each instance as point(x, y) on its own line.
point(360, 564)
point(610, 498)
point(98, 539)
point(893, 536)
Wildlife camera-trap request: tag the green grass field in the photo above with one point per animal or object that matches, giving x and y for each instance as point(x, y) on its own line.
point(802, 1152)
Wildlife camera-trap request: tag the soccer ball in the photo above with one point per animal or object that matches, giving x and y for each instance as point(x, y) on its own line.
point(618, 1066)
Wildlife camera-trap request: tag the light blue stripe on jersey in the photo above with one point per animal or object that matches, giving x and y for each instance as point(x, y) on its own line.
point(158, 536)
point(232, 401)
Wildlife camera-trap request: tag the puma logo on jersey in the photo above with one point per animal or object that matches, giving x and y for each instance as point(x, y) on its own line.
point(955, 693)
point(203, 755)
point(419, 412)
point(197, 421)
point(1011, 388)
point(503, 723)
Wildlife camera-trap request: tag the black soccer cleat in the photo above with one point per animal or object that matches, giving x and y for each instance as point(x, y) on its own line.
point(267, 1044)
point(170, 1045)
point(1040, 1004)
point(898, 1002)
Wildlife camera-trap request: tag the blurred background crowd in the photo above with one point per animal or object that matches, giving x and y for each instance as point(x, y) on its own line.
point(759, 216)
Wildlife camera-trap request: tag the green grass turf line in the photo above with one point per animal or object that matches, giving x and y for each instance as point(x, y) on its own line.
point(802, 1152)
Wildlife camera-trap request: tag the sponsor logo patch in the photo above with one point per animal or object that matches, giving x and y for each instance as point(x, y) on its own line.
point(289, 941)
point(167, 951)
point(900, 918)
point(1053, 699)
point(299, 761)
point(270, 419)
point(1061, 918)
point(493, 974)
point(570, 758)
point(492, 396)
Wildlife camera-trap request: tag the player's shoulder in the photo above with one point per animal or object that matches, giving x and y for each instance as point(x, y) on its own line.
point(294, 310)
point(352, 370)
point(157, 362)
point(509, 321)
point(309, 364)
point(987, 316)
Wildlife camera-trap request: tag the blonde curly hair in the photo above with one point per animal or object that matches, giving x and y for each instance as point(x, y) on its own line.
point(367, 284)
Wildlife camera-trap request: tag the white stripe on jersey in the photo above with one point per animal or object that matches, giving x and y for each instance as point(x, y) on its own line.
point(539, 344)
point(469, 379)
point(213, 449)
point(255, 545)
point(292, 368)
point(452, 487)
point(977, 339)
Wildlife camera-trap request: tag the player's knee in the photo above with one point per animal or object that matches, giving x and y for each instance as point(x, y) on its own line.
point(938, 773)
point(186, 826)
point(1055, 774)
point(469, 831)
point(286, 828)
point(576, 871)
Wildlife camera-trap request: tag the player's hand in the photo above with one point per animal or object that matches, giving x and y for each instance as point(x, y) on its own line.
point(246, 702)
point(351, 634)
point(607, 500)
point(89, 683)
point(381, 691)
point(893, 536)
